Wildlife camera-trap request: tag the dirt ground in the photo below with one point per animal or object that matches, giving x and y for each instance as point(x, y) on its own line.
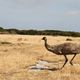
point(19, 52)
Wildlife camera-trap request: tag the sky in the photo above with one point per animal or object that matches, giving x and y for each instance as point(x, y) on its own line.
point(40, 14)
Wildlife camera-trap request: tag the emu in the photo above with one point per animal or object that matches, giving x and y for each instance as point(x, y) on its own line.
point(63, 49)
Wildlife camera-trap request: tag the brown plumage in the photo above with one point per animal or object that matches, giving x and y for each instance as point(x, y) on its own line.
point(63, 49)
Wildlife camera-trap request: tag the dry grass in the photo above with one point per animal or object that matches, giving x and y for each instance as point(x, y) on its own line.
point(24, 51)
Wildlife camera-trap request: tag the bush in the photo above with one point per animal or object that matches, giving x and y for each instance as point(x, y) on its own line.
point(37, 32)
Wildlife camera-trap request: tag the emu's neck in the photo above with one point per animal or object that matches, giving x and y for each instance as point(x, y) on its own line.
point(48, 47)
point(54, 49)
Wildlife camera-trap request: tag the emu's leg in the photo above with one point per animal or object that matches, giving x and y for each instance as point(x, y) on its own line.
point(72, 59)
point(65, 61)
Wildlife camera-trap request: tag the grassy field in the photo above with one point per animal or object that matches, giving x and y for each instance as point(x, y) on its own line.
point(19, 52)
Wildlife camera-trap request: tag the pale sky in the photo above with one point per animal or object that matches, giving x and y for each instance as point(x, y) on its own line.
point(40, 14)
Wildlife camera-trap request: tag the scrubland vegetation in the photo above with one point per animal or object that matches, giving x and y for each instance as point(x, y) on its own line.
point(18, 53)
point(39, 32)
point(22, 49)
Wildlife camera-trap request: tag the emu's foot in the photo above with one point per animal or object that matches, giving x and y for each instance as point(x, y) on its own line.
point(71, 63)
point(62, 67)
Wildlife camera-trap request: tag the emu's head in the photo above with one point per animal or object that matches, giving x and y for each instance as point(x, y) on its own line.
point(44, 38)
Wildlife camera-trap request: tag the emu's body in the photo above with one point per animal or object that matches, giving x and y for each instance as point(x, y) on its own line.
point(63, 49)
